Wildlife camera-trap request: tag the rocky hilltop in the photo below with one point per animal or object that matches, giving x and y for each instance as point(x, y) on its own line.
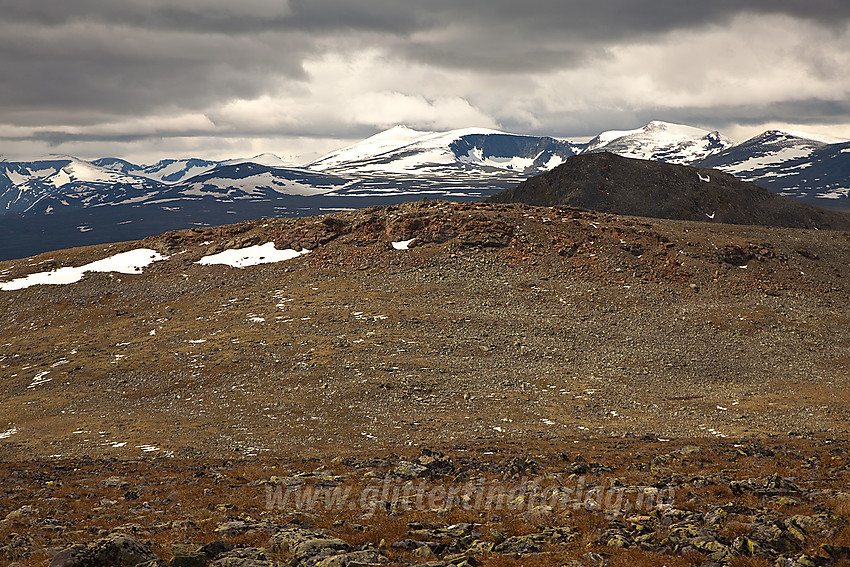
point(428, 320)
point(614, 184)
point(153, 402)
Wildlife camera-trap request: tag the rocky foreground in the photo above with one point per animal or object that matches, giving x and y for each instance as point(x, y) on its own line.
point(433, 383)
point(606, 502)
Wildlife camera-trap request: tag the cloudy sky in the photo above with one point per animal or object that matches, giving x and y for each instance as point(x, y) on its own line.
point(145, 79)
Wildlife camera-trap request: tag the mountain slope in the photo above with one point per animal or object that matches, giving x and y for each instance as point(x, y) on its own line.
point(813, 170)
point(611, 183)
point(248, 180)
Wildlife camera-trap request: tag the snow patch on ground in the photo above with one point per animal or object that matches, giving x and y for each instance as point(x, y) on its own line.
point(132, 262)
point(403, 244)
point(251, 256)
point(835, 194)
point(8, 433)
point(39, 379)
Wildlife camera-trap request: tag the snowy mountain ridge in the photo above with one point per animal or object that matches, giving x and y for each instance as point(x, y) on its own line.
point(401, 150)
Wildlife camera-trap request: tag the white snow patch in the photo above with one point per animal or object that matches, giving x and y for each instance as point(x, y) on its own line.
point(403, 244)
point(380, 143)
point(251, 256)
point(554, 162)
point(39, 379)
point(835, 194)
point(398, 150)
point(131, 262)
point(8, 433)
point(16, 178)
point(179, 166)
point(475, 156)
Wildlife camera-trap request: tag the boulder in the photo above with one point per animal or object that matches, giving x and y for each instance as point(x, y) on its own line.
point(116, 550)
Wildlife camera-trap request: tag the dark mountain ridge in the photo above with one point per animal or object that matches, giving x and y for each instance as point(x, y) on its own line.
point(610, 183)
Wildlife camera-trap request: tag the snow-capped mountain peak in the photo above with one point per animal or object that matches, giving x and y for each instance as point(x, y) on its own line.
point(661, 141)
point(267, 159)
point(401, 150)
point(381, 143)
point(806, 136)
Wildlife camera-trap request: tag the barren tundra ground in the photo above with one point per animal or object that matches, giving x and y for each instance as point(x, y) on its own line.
point(504, 331)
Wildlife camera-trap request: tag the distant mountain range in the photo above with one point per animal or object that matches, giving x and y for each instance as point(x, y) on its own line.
point(64, 201)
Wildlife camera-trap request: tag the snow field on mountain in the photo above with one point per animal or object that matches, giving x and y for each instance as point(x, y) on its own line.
point(755, 163)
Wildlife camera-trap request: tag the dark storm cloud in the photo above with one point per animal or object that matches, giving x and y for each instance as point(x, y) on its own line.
point(584, 17)
point(76, 62)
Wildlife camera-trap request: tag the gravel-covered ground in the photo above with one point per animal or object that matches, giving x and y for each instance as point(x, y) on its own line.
point(501, 323)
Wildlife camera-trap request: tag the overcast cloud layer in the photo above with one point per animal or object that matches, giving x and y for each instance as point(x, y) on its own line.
point(144, 79)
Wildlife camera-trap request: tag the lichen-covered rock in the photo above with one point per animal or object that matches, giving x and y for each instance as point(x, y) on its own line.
point(354, 559)
point(244, 557)
point(781, 537)
point(771, 485)
point(802, 561)
point(116, 550)
point(407, 469)
point(533, 543)
point(188, 558)
point(290, 538)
